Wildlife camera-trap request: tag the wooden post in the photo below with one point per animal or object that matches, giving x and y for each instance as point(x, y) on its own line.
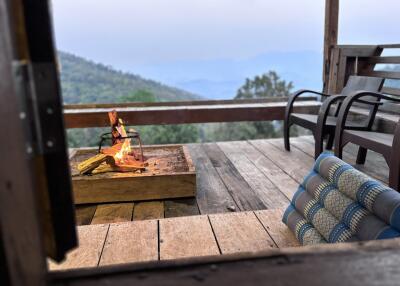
point(330, 37)
point(21, 236)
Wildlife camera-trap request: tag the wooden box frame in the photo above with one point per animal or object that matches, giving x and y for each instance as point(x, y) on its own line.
point(87, 189)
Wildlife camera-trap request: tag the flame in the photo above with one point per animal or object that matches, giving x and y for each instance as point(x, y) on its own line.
point(120, 156)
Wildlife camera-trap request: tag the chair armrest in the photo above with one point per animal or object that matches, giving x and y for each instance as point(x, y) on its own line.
point(294, 96)
point(347, 104)
point(324, 112)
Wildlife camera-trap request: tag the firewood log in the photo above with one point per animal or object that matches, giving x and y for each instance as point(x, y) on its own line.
point(93, 162)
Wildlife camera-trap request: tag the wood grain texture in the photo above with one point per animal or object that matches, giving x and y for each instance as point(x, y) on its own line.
point(84, 214)
point(294, 163)
point(356, 265)
point(262, 186)
point(148, 210)
point(283, 182)
point(242, 193)
point(330, 36)
point(180, 207)
point(110, 213)
point(240, 232)
point(186, 237)
point(279, 232)
point(212, 195)
point(131, 242)
point(142, 188)
point(91, 240)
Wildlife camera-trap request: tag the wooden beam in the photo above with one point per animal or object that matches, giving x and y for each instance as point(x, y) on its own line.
point(22, 239)
point(367, 263)
point(97, 117)
point(184, 103)
point(330, 36)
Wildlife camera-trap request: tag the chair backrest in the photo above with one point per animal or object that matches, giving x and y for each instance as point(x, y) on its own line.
point(357, 82)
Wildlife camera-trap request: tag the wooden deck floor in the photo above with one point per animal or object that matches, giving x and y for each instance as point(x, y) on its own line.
point(232, 177)
point(181, 237)
point(242, 190)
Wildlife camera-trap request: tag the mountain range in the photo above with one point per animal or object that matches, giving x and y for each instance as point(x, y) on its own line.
point(84, 81)
point(221, 78)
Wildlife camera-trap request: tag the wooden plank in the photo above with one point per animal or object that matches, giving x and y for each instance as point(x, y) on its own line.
point(91, 241)
point(240, 232)
point(97, 117)
point(294, 163)
point(212, 195)
point(180, 207)
point(356, 264)
point(381, 60)
point(383, 74)
point(131, 242)
point(240, 190)
point(148, 210)
point(304, 145)
point(141, 188)
point(283, 182)
point(279, 232)
point(110, 213)
point(330, 36)
point(186, 237)
point(84, 214)
point(262, 186)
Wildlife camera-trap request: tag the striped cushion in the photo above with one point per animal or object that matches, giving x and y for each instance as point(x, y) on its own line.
point(343, 204)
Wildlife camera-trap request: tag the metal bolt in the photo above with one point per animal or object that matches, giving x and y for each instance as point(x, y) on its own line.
point(22, 115)
point(50, 143)
point(49, 110)
point(29, 149)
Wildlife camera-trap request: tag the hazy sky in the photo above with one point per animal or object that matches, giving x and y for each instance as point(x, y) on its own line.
point(125, 33)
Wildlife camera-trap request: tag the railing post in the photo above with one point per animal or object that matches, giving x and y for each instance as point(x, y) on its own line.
point(330, 37)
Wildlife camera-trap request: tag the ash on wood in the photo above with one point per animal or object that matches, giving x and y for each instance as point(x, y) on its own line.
point(169, 174)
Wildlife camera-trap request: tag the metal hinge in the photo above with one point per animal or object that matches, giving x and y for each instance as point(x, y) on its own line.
point(35, 85)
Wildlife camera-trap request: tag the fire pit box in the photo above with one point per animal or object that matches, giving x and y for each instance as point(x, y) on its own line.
point(170, 174)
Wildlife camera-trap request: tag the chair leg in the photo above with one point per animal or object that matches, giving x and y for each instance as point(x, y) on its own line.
point(361, 155)
point(319, 145)
point(394, 173)
point(329, 143)
point(286, 134)
point(338, 150)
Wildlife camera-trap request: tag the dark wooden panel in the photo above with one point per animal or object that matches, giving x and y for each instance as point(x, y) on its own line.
point(212, 195)
point(84, 214)
point(371, 263)
point(21, 236)
point(240, 190)
point(96, 117)
point(180, 207)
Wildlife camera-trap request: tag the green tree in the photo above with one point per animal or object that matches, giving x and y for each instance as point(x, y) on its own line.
point(266, 85)
point(140, 95)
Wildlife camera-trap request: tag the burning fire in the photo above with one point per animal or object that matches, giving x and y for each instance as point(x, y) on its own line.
point(126, 150)
point(120, 157)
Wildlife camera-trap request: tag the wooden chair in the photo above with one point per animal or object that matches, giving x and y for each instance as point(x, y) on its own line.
point(386, 144)
point(324, 124)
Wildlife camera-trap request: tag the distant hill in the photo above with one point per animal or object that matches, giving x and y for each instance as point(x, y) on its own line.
point(221, 78)
point(84, 81)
